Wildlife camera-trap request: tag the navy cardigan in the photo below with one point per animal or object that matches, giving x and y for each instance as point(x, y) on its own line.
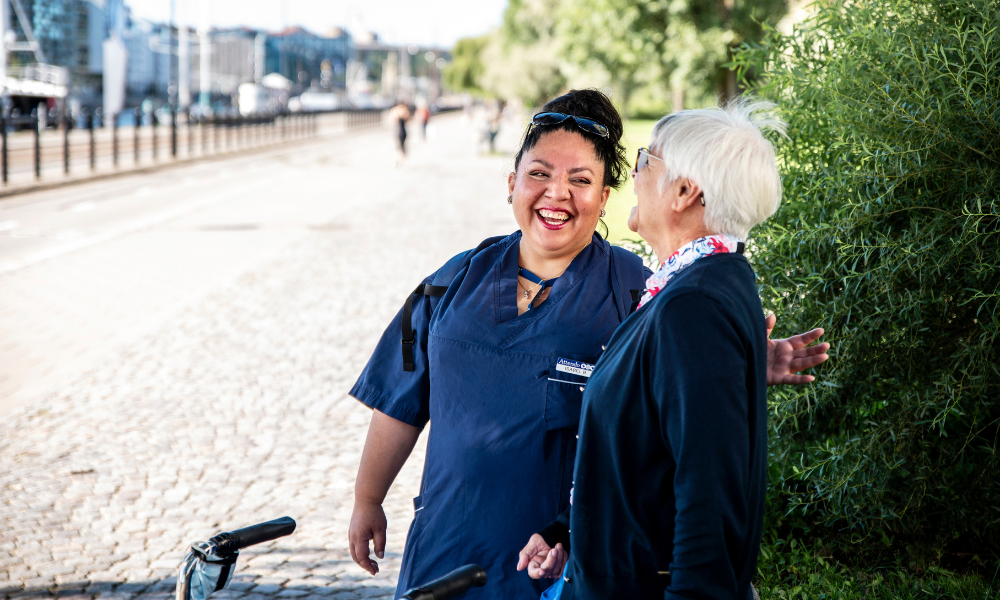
point(670, 465)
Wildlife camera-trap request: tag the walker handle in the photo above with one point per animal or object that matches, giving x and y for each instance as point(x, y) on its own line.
point(457, 582)
point(230, 541)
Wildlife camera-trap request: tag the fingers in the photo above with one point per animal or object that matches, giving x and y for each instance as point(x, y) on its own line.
point(796, 379)
point(536, 546)
point(801, 364)
point(550, 566)
point(769, 323)
point(804, 339)
point(360, 552)
point(378, 536)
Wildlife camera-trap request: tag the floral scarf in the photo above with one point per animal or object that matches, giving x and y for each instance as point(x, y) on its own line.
point(685, 257)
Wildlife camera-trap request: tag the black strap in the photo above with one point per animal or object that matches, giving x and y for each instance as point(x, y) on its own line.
point(636, 295)
point(740, 247)
point(424, 289)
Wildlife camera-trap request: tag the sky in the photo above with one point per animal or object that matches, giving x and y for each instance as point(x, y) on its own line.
point(431, 22)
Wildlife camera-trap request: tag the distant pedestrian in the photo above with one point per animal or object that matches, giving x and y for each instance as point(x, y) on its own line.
point(424, 115)
point(400, 114)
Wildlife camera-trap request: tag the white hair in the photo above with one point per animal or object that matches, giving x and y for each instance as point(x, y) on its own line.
point(723, 151)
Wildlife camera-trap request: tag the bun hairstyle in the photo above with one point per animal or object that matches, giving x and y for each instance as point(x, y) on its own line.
point(593, 105)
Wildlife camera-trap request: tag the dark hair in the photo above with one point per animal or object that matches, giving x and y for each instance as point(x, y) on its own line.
point(593, 105)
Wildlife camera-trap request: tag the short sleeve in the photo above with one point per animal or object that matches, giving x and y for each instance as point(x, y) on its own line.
point(384, 385)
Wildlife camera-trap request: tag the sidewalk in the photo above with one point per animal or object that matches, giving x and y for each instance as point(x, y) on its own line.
point(228, 406)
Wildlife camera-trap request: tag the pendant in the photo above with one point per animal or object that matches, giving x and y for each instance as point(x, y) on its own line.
point(525, 294)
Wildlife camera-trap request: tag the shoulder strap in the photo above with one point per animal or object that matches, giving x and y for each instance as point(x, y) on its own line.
point(423, 289)
point(628, 273)
point(446, 274)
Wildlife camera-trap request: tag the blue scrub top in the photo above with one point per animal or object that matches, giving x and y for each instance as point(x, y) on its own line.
point(504, 393)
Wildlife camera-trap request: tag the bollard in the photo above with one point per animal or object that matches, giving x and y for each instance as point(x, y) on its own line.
point(114, 139)
point(215, 134)
point(38, 146)
point(173, 132)
point(90, 130)
point(152, 125)
point(135, 134)
point(66, 123)
point(3, 140)
point(190, 134)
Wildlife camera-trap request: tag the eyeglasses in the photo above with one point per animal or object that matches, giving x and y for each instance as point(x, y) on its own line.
point(554, 118)
point(642, 159)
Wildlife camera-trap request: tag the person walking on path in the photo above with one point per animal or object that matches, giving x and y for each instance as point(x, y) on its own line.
point(424, 115)
point(399, 115)
point(498, 346)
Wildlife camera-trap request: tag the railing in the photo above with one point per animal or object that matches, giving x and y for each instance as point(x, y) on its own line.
point(187, 137)
point(40, 72)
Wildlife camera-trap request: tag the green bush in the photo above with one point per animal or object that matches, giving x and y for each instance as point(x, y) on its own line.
point(888, 237)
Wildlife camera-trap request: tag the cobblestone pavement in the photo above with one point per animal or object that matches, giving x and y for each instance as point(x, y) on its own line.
point(235, 409)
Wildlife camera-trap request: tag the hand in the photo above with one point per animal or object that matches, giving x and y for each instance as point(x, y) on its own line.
point(540, 560)
point(791, 355)
point(367, 523)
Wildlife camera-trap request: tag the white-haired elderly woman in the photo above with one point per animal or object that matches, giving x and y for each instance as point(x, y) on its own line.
point(669, 482)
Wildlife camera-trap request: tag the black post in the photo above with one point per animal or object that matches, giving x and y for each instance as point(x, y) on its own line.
point(90, 130)
point(215, 134)
point(152, 123)
point(135, 133)
point(173, 131)
point(66, 127)
point(190, 131)
point(38, 147)
point(114, 139)
point(3, 136)
point(204, 140)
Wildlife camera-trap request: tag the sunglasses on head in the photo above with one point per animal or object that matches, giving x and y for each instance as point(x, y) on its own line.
point(554, 118)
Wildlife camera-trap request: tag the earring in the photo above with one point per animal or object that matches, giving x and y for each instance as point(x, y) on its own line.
point(510, 199)
point(703, 199)
point(603, 212)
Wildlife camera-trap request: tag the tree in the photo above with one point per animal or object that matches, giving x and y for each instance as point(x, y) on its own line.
point(889, 237)
point(465, 71)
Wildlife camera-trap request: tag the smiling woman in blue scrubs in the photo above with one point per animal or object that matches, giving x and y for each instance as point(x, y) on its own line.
point(502, 340)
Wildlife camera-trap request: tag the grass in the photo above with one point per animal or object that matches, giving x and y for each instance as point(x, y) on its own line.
point(622, 200)
point(788, 571)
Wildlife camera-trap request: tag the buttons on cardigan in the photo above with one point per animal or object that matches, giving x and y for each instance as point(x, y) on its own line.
point(582, 388)
point(566, 579)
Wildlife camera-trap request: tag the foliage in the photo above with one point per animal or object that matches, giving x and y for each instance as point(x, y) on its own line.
point(889, 238)
point(522, 60)
point(789, 570)
point(658, 50)
point(465, 71)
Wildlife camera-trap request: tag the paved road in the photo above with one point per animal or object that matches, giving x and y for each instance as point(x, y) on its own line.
point(178, 348)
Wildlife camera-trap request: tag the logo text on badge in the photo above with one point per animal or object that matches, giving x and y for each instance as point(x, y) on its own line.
point(574, 366)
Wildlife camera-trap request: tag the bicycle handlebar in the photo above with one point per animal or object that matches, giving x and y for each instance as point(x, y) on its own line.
point(230, 541)
point(457, 582)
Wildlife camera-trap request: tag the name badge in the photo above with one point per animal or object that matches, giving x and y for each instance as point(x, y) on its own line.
point(574, 366)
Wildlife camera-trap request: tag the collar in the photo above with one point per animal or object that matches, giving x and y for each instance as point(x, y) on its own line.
point(687, 255)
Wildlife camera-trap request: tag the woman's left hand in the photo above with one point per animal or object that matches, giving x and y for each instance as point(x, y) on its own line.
point(788, 356)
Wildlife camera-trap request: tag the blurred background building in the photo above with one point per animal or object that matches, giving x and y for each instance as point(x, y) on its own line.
point(86, 55)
